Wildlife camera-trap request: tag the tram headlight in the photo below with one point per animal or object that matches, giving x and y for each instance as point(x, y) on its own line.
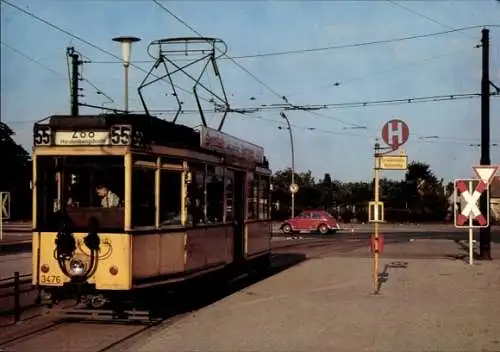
point(76, 267)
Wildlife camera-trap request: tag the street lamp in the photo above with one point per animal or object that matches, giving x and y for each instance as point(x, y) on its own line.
point(282, 114)
point(126, 45)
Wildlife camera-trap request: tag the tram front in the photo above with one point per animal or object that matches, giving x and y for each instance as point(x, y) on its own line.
point(79, 245)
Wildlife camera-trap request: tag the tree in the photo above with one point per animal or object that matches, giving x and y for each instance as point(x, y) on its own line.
point(327, 191)
point(424, 193)
point(419, 197)
point(15, 159)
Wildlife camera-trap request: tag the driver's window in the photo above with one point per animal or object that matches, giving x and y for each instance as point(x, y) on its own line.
point(304, 215)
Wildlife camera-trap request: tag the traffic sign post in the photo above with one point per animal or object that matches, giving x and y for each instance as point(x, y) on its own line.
point(466, 211)
point(5, 213)
point(468, 195)
point(466, 198)
point(486, 173)
point(395, 133)
point(294, 188)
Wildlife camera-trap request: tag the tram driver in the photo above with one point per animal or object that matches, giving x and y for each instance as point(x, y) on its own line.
point(109, 199)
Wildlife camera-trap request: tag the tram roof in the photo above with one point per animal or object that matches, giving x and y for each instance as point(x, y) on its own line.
point(158, 131)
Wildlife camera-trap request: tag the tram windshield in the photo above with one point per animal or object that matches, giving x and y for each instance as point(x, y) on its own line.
point(76, 189)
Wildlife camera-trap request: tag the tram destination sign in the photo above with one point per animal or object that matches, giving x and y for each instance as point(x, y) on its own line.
point(226, 144)
point(82, 137)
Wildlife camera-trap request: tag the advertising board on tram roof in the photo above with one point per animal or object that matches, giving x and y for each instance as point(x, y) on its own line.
point(224, 143)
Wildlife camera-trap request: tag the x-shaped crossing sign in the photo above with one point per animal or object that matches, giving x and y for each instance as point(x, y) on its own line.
point(5, 205)
point(471, 199)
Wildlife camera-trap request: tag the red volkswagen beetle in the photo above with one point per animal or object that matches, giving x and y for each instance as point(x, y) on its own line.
point(311, 221)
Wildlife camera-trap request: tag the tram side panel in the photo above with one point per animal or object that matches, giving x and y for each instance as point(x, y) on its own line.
point(157, 254)
point(258, 223)
point(209, 247)
point(257, 238)
point(189, 252)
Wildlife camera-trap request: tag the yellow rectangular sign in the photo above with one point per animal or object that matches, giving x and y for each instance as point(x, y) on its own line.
point(375, 211)
point(393, 162)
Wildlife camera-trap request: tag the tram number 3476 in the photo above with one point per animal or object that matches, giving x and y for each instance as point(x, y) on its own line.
point(50, 279)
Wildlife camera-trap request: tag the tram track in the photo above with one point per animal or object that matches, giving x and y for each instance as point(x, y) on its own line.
point(66, 335)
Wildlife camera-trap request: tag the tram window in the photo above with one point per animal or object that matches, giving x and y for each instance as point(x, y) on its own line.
point(196, 195)
point(47, 192)
point(229, 194)
point(143, 197)
point(82, 186)
point(252, 194)
point(215, 194)
point(263, 197)
point(170, 197)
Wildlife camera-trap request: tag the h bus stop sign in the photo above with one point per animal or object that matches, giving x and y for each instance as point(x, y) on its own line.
point(5, 202)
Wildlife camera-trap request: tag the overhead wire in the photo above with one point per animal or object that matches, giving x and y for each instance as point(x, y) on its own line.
point(382, 102)
point(226, 55)
point(398, 4)
point(280, 96)
point(437, 140)
point(308, 50)
point(341, 82)
point(85, 79)
point(368, 43)
point(398, 101)
point(36, 62)
point(367, 103)
point(414, 100)
point(334, 105)
point(62, 30)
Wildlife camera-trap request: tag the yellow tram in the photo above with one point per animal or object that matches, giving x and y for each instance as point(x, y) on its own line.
point(126, 202)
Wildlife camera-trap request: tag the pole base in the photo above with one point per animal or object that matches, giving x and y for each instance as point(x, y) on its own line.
point(484, 257)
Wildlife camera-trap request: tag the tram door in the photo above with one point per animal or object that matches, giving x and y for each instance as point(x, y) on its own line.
point(239, 215)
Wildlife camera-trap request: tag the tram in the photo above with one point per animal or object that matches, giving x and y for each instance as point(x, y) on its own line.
point(123, 203)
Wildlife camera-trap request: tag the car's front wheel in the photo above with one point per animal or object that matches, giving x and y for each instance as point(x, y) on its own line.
point(286, 228)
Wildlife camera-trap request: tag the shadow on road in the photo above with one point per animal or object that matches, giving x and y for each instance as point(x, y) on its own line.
point(383, 277)
point(215, 291)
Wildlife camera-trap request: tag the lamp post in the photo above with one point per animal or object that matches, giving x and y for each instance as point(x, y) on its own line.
point(282, 114)
point(126, 46)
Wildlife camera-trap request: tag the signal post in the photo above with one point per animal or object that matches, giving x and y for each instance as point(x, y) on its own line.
point(394, 133)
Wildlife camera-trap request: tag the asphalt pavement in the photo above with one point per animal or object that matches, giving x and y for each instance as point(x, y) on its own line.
point(327, 304)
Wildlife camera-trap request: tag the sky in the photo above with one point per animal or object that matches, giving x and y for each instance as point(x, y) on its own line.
point(339, 141)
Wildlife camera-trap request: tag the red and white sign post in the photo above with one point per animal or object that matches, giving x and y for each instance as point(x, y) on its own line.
point(467, 195)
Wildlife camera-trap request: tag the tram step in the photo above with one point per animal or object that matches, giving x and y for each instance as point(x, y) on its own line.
point(101, 315)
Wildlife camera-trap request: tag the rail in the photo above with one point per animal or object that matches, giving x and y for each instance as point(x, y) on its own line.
point(13, 287)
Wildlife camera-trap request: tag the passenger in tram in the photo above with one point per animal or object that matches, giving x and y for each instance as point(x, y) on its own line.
point(109, 199)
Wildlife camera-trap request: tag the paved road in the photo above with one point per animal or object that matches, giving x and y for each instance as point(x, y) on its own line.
point(326, 305)
point(15, 262)
point(22, 262)
point(333, 280)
